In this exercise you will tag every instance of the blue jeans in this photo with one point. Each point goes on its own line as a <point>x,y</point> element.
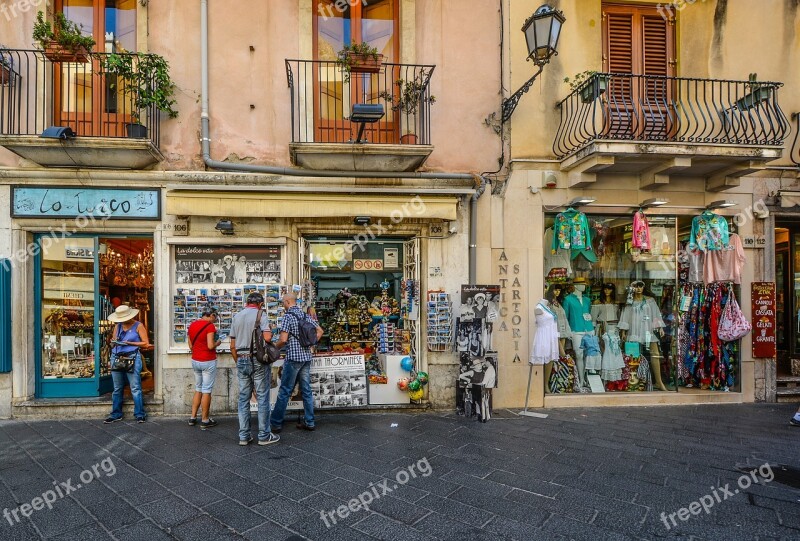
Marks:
<point>253,374</point>
<point>135,382</point>
<point>293,371</point>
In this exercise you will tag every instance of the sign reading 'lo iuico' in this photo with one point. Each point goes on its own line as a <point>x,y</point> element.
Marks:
<point>763,310</point>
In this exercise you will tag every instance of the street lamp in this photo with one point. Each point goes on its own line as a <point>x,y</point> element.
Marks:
<point>542,30</point>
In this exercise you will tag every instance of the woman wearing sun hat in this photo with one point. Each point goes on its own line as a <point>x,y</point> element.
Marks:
<point>128,338</point>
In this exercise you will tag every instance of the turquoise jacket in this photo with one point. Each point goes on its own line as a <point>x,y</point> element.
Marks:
<point>571,231</point>
<point>575,309</point>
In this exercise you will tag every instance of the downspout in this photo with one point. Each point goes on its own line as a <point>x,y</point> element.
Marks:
<point>205,142</point>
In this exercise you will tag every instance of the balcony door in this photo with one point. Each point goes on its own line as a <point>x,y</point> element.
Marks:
<point>638,40</point>
<point>337,24</point>
<point>92,103</point>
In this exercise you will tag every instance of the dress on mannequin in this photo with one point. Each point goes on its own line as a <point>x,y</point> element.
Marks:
<point>640,321</point>
<point>545,342</point>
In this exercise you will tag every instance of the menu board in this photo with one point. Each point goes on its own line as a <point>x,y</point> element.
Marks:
<point>763,310</point>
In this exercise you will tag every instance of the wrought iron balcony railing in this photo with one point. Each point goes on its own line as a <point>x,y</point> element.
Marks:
<point>36,93</point>
<point>323,94</point>
<point>653,108</point>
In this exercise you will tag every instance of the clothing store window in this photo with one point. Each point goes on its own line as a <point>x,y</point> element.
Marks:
<point>631,298</point>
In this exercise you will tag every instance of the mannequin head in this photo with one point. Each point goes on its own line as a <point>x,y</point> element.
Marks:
<point>638,289</point>
<point>554,293</point>
<point>580,284</point>
<point>580,288</point>
<point>608,294</point>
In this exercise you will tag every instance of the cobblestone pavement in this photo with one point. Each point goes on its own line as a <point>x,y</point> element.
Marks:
<point>578,474</point>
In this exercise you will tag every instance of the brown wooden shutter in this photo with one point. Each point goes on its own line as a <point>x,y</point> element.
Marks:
<point>619,54</point>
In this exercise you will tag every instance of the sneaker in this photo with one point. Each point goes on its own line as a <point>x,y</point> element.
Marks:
<point>273,438</point>
<point>794,422</point>
<point>246,442</point>
<point>110,420</point>
<point>207,424</point>
<point>303,426</point>
<point>275,429</point>
<point>192,421</point>
<point>140,420</point>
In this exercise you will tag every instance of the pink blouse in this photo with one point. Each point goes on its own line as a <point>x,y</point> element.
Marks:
<point>725,265</point>
<point>641,231</point>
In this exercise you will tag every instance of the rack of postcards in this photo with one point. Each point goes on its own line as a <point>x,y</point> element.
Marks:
<point>188,305</point>
<point>440,321</point>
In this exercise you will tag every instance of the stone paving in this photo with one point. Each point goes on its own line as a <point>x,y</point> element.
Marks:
<point>578,474</point>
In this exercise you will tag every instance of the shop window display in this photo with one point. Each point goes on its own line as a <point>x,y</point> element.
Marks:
<point>639,311</point>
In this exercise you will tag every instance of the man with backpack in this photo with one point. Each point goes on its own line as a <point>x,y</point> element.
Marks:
<point>300,332</point>
<point>248,326</point>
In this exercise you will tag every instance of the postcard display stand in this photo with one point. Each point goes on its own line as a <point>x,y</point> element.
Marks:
<point>440,321</point>
<point>188,306</point>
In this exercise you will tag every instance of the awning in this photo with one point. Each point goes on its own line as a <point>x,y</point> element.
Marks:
<point>240,204</point>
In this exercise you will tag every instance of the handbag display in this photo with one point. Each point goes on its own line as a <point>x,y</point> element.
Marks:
<point>733,324</point>
<point>123,363</point>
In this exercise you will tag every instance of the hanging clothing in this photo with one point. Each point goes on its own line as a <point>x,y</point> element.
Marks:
<point>561,321</point>
<point>640,319</point>
<point>571,231</point>
<point>709,232</point>
<point>725,265</point>
<point>545,342</point>
<point>641,231</point>
<point>558,259</point>
<point>591,352</point>
<point>612,362</point>
<point>696,259</point>
<point>579,313</point>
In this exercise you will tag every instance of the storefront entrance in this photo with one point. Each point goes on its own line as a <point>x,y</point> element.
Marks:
<point>79,281</point>
<point>787,293</point>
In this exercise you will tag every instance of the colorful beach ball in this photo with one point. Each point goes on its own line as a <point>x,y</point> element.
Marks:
<point>407,364</point>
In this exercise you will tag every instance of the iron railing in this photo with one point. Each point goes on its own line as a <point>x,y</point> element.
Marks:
<point>323,93</point>
<point>36,93</point>
<point>654,108</point>
<point>794,153</point>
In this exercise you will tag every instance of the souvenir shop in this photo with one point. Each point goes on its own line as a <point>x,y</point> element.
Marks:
<point>643,302</point>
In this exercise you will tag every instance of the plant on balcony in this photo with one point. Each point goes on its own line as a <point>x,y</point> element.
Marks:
<point>63,41</point>
<point>757,92</point>
<point>409,96</point>
<point>145,79</point>
<point>359,58</point>
<point>6,66</point>
<point>590,84</point>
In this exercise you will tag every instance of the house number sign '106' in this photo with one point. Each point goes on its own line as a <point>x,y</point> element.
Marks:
<point>103,203</point>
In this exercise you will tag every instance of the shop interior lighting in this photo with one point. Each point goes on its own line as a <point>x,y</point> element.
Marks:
<point>225,227</point>
<point>581,201</point>
<point>58,132</point>
<point>362,220</point>
<point>653,202</point>
<point>721,204</point>
<point>364,113</point>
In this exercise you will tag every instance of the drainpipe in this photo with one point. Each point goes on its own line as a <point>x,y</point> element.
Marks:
<point>205,142</point>
<point>473,230</point>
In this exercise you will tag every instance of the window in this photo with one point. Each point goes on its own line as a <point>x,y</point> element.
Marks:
<point>637,40</point>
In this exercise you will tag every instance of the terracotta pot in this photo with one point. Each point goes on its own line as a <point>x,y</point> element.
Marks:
<point>5,75</point>
<point>361,63</point>
<point>408,139</point>
<point>57,53</point>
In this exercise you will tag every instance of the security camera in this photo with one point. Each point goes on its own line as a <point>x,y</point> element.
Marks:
<point>761,214</point>
<point>453,228</point>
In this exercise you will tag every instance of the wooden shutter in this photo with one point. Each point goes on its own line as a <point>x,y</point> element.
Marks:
<point>619,54</point>
<point>657,111</point>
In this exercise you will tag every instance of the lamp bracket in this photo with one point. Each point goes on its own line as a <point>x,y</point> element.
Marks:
<point>510,103</point>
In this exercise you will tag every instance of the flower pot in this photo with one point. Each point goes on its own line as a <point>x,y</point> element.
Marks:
<point>408,139</point>
<point>136,131</point>
<point>363,63</point>
<point>754,98</point>
<point>55,52</point>
<point>5,75</point>
<point>594,89</point>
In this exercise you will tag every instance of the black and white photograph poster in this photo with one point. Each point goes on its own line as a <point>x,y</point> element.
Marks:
<point>227,264</point>
<point>479,311</point>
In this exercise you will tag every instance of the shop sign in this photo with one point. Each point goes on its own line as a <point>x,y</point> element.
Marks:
<point>77,252</point>
<point>763,310</point>
<point>754,241</point>
<point>102,203</point>
<point>391,258</point>
<point>336,381</point>
<point>367,264</point>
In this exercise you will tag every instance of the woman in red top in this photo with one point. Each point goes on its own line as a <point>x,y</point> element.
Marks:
<point>203,341</point>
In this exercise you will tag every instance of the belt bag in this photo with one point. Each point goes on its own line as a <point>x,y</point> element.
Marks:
<point>123,363</point>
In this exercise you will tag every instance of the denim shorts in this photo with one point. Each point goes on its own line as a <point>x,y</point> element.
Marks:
<point>205,372</point>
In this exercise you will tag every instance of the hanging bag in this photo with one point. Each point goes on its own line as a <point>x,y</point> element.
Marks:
<point>262,351</point>
<point>733,324</point>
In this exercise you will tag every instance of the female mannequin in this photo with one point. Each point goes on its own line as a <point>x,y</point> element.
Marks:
<point>555,296</point>
<point>578,309</point>
<point>606,312</point>
<point>641,322</point>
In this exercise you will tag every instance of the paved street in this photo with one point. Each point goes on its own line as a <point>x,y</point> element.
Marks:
<point>579,474</point>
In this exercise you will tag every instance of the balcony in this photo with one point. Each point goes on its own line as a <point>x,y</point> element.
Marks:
<point>36,93</point>
<point>661,127</point>
<point>322,97</point>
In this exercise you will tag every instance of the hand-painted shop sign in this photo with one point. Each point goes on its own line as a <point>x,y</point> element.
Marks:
<point>99,203</point>
<point>763,310</point>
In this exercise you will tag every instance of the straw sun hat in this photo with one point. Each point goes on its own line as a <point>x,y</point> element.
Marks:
<point>123,313</point>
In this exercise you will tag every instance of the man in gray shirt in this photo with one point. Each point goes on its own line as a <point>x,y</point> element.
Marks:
<point>252,374</point>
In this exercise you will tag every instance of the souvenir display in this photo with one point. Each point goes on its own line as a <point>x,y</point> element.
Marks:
<point>440,321</point>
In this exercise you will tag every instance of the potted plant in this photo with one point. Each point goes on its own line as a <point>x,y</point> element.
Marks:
<point>590,84</point>
<point>145,79</point>
<point>359,58</point>
<point>6,66</point>
<point>758,92</point>
<point>64,41</point>
<point>409,96</point>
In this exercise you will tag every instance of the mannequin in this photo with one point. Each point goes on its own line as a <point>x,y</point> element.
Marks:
<point>605,311</point>
<point>545,348</point>
<point>641,322</point>
<point>578,309</point>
